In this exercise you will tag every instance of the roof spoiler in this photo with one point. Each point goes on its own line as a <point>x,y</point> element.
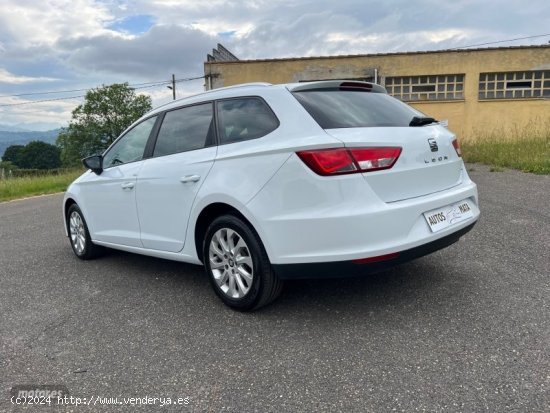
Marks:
<point>338,85</point>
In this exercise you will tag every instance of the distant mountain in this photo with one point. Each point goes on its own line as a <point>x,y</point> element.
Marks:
<point>8,138</point>
<point>12,128</point>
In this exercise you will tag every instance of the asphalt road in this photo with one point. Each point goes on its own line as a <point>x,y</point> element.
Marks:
<point>465,329</point>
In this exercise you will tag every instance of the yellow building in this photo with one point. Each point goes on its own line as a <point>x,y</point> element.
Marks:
<point>479,91</point>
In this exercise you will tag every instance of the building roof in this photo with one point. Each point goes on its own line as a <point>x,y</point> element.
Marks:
<point>543,46</point>
<point>221,54</point>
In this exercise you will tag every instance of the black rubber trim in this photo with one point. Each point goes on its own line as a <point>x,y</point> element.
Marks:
<point>150,146</point>
<point>340,269</point>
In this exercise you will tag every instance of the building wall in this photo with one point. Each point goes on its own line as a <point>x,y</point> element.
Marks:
<point>467,117</point>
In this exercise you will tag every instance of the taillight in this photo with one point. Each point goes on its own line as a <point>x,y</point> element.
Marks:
<point>329,161</point>
<point>374,159</point>
<point>346,161</point>
<point>457,147</point>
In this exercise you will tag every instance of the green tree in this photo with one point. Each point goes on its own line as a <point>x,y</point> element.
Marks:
<point>39,155</point>
<point>12,153</point>
<point>103,116</point>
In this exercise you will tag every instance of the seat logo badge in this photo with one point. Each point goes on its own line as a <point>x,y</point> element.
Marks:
<point>433,145</point>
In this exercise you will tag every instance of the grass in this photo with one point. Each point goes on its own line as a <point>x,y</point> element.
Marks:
<point>14,188</point>
<point>527,151</point>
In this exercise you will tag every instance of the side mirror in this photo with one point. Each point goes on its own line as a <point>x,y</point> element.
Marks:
<point>95,163</point>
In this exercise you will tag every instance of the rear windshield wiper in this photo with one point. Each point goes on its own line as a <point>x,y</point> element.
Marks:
<point>421,121</point>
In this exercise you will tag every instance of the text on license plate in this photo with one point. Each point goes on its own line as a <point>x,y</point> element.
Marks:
<point>446,216</point>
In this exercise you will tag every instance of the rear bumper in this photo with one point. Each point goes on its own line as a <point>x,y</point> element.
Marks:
<point>340,269</point>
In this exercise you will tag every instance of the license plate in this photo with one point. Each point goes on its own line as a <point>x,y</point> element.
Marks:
<point>446,216</point>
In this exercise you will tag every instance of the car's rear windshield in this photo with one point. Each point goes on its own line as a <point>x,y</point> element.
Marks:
<point>337,108</point>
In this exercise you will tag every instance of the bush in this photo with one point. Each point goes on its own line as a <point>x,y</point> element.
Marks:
<point>7,166</point>
<point>39,155</point>
<point>12,154</point>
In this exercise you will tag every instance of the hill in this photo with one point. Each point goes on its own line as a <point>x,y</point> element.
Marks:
<point>12,128</point>
<point>8,138</point>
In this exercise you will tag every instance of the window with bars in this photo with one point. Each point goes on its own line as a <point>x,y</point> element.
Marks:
<point>420,88</point>
<point>514,85</point>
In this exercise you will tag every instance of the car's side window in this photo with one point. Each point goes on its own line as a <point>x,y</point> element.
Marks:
<point>186,129</point>
<point>244,118</point>
<point>131,146</point>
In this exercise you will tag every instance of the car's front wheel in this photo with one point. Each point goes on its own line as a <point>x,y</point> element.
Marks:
<point>79,236</point>
<point>238,266</point>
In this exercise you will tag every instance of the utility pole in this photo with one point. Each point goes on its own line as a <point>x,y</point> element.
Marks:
<point>173,87</point>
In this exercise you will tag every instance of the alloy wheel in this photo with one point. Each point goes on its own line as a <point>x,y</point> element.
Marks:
<point>231,263</point>
<point>77,232</point>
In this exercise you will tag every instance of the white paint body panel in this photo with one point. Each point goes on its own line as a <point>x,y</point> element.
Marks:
<point>312,219</point>
<point>164,201</point>
<point>418,171</point>
<point>301,217</point>
<point>110,210</point>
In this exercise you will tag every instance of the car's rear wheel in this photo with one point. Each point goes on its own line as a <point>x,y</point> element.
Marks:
<point>237,265</point>
<point>79,236</point>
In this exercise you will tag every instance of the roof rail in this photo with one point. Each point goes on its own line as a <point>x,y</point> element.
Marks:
<point>251,84</point>
<point>241,85</point>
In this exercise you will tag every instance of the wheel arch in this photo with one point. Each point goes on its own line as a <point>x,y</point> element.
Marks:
<point>207,215</point>
<point>67,203</point>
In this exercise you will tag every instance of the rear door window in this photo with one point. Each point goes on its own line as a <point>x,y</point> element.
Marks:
<point>334,109</point>
<point>244,118</point>
<point>186,129</point>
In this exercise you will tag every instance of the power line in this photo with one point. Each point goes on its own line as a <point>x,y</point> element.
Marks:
<point>67,91</point>
<point>74,90</point>
<point>189,78</point>
<point>149,85</point>
<point>134,85</point>
<point>30,102</point>
<point>500,41</point>
<point>40,101</point>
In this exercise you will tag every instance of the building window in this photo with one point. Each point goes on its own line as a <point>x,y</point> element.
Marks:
<point>514,85</point>
<point>419,88</point>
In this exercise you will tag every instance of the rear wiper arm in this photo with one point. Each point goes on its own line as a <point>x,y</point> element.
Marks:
<point>421,121</point>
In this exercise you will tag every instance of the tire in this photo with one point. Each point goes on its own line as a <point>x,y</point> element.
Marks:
<point>79,236</point>
<point>231,250</point>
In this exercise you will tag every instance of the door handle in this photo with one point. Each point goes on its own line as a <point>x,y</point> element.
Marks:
<point>189,178</point>
<point>127,185</point>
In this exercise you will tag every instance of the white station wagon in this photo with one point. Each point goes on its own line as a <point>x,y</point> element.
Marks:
<point>262,183</point>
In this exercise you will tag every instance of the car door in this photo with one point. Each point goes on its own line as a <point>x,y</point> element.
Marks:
<point>168,182</point>
<point>110,198</point>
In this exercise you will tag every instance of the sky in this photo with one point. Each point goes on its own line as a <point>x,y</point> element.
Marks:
<point>57,45</point>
